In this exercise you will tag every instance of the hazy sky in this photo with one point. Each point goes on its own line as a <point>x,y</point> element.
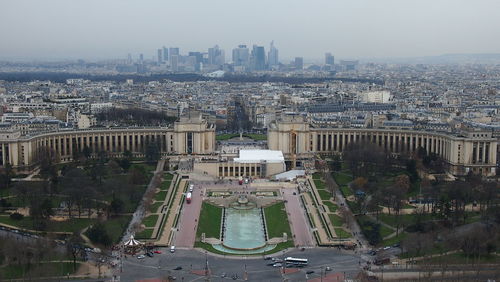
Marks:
<point>53,29</point>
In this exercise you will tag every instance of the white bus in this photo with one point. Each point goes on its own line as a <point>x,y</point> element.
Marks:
<point>296,261</point>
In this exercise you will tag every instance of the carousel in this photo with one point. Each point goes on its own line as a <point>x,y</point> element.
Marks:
<point>132,246</point>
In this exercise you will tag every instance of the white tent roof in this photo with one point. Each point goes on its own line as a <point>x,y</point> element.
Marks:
<point>290,175</point>
<point>255,156</point>
<point>132,242</point>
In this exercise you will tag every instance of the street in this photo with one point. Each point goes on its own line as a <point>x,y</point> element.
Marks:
<point>161,266</point>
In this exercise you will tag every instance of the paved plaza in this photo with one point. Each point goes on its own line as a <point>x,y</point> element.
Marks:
<point>186,234</point>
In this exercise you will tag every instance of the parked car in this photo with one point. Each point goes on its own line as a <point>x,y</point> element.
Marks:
<point>141,257</point>
<point>310,272</point>
<point>157,252</point>
<point>178,268</point>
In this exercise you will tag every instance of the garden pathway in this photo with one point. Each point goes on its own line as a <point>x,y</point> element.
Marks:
<point>140,212</point>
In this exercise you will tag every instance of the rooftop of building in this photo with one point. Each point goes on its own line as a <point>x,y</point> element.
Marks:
<point>253,156</point>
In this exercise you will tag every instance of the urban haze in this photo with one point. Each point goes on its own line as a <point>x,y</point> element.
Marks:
<point>59,29</point>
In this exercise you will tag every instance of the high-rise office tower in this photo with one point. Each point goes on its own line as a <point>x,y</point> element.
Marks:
<point>165,54</point>
<point>198,60</point>
<point>258,58</point>
<point>160,52</point>
<point>173,51</point>
<point>299,63</point>
<point>141,58</point>
<point>216,56</point>
<point>241,55</point>
<point>329,59</point>
<point>272,56</point>
<point>174,62</point>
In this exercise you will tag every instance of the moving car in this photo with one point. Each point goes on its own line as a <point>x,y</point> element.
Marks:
<point>141,257</point>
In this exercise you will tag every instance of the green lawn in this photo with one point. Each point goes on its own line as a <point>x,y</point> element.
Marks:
<point>346,191</point>
<point>168,176</point>
<point>319,184</point>
<point>408,206</point>
<point>147,233</point>
<point>165,185</point>
<point>324,195</point>
<point>341,178</point>
<point>150,221</point>
<point>72,225</point>
<point>336,220</point>
<point>277,220</point>
<point>5,192</point>
<point>331,206</point>
<point>394,240</point>
<point>461,258</point>
<point>223,137</point>
<point>385,231</point>
<point>115,226</point>
<point>131,205</point>
<point>316,175</point>
<point>19,271</point>
<point>404,219</point>
<point>414,189</point>
<point>154,207</point>
<point>256,137</point>
<point>210,221</point>
<point>160,196</point>
<point>341,233</point>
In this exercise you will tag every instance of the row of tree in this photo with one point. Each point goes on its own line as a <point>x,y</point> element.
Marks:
<point>134,117</point>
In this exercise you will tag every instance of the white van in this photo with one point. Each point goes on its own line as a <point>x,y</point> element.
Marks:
<point>172,249</point>
<point>191,187</point>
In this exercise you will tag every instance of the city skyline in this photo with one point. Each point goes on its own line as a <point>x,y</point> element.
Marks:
<point>92,30</point>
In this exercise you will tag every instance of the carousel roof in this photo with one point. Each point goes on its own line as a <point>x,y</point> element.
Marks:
<point>132,242</point>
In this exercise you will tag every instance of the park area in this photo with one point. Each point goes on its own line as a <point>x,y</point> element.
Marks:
<point>158,205</point>
<point>94,198</point>
<point>405,202</point>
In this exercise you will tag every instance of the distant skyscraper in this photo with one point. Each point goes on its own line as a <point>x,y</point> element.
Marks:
<point>216,56</point>
<point>198,59</point>
<point>348,65</point>
<point>141,58</point>
<point>272,56</point>
<point>241,55</point>
<point>174,62</point>
<point>258,59</point>
<point>160,60</point>
<point>129,58</point>
<point>299,63</point>
<point>165,54</point>
<point>172,51</point>
<point>329,59</point>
